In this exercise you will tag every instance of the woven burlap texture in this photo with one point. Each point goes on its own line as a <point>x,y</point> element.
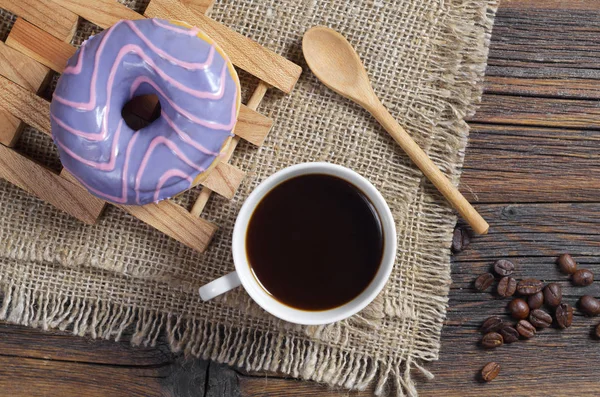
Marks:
<point>426,59</point>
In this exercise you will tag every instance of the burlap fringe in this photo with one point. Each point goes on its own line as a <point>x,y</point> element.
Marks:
<point>245,347</point>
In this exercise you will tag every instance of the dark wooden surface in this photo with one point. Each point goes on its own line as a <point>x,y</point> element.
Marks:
<point>532,167</point>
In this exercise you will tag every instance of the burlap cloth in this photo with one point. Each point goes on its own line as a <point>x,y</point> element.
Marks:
<point>426,59</point>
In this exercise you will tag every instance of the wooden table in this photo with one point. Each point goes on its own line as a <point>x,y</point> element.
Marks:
<point>532,165</point>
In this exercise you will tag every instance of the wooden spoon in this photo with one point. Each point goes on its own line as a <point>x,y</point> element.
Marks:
<point>333,60</point>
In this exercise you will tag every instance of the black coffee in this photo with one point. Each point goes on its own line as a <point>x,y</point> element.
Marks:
<point>315,242</point>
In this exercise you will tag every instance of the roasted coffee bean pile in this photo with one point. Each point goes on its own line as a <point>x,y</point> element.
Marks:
<point>536,307</point>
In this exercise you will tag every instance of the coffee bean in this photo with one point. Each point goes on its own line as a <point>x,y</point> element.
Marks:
<point>490,371</point>
<point>507,287</point>
<point>525,329</point>
<point>536,300</point>
<point>504,268</point>
<point>529,286</point>
<point>553,294</point>
<point>582,277</point>
<point>492,324</point>
<point>540,319</point>
<point>484,281</point>
<point>518,308</point>
<point>567,264</point>
<point>460,239</point>
<point>597,331</point>
<point>509,334</point>
<point>589,305</point>
<point>492,340</point>
<point>564,315</point>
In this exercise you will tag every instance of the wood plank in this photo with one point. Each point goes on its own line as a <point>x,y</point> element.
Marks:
<point>30,75</point>
<point>20,341</point>
<point>39,377</point>
<point>175,222</point>
<point>203,6</point>
<point>103,13</point>
<point>531,164</point>
<point>544,87</point>
<point>45,14</point>
<point>25,105</point>
<point>39,45</point>
<point>252,126</point>
<point>561,5</point>
<point>10,128</point>
<point>243,52</point>
<point>549,112</point>
<point>46,185</point>
<point>224,179</point>
<point>545,52</point>
<point>21,69</point>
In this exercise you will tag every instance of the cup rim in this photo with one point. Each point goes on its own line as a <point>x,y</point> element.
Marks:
<point>306,317</point>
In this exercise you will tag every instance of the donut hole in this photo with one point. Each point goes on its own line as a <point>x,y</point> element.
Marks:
<point>141,111</point>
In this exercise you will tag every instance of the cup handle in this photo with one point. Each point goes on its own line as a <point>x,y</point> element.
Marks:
<point>219,286</point>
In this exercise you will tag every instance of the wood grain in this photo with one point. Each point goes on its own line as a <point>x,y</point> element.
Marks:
<point>202,6</point>
<point>224,179</point>
<point>252,126</point>
<point>39,45</point>
<point>45,14</point>
<point>243,52</point>
<point>103,13</point>
<point>25,105</point>
<point>30,75</point>
<point>531,164</point>
<point>175,222</point>
<point>10,128</point>
<point>21,69</point>
<point>43,183</point>
<point>544,112</point>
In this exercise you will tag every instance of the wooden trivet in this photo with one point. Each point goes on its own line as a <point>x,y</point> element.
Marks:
<point>38,43</point>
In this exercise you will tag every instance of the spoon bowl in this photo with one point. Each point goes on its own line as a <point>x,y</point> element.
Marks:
<point>341,70</point>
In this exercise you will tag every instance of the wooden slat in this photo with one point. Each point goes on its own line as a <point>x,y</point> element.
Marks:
<point>21,69</point>
<point>243,52</point>
<point>543,87</point>
<point>43,183</point>
<point>53,53</point>
<point>502,109</point>
<point>175,222</point>
<point>25,105</point>
<point>10,128</point>
<point>224,179</point>
<point>30,75</point>
<point>45,14</point>
<point>103,13</point>
<point>252,126</point>
<point>39,45</point>
<point>561,5</point>
<point>203,6</point>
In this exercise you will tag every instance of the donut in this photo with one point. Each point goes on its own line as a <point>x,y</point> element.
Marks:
<point>199,93</point>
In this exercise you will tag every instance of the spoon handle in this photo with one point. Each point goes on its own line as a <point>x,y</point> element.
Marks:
<point>431,171</point>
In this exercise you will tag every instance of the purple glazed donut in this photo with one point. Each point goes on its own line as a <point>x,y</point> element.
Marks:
<point>199,93</point>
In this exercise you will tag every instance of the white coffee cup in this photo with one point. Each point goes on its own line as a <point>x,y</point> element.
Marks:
<point>243,274</point>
